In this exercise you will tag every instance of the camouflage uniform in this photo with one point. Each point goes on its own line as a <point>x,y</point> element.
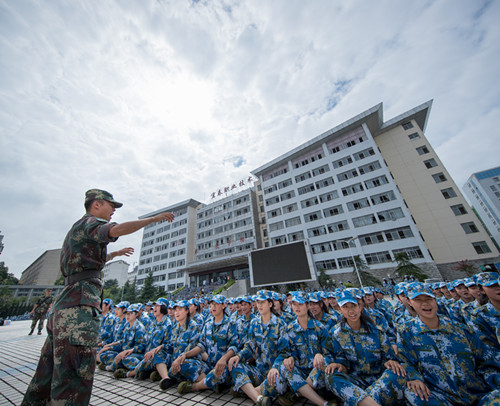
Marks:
<point>156,335</point>
<point>363,353</point>
<point>484,320</point>
<point>107,328</point>
<point>65,371</point>
<point>455,365</point>
<point>40,312</point>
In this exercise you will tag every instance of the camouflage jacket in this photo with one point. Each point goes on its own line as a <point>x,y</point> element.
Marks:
<point>43,305</point>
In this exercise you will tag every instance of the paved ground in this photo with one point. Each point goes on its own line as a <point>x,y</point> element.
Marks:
<point>19,355</point>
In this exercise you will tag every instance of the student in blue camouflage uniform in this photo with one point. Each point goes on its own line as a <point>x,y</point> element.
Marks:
<point>264,344</point>
<point>107,323</point>
<point>195,313</point>
<point>65,372</point>
<point>364,370</point>
<point>156,334</point>
<point>219,339</point>
<point>279,308</point>
<point>144,317</point>
<point>243,322</point>
<point>478,299</point>
<point>455,310</point>
<point>128,352</point>
<point>320,311</point>
<point>445,363</point>
<point>486,318</point>
<point>302,356</point>
<point>168,357</point>
<point>118,329</point>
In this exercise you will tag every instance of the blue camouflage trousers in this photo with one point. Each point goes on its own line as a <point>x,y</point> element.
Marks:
<point>296,378</point>
<point>244,373</point>
<point>191,369</point>
<point>129,362</point>
<point>65,371</point>
<point>388,389</point>
<point>439,397</point>
<point>211,380</point>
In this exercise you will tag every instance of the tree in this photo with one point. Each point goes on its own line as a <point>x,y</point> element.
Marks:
<point>364,272</point>
<point>149,291</point>
<point>466,267</point>
<point>111,290</point>
<point>405,267</point>
<point>59,281</point>
<point>324,280</point>
<point>129,292</point>
<point>7,278</point>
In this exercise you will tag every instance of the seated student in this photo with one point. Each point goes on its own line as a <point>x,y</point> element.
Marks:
<point>486,318</point>
<point>265,343</point>
<point>184,336</point>
<point>195,312</point>
<point>119,327</point>
<point>279,308</point>
<point>156,334</point>
<point>128,351</point>
<point>320,312</point>
<point>219,339</point>
<point>243,322</point>
<point>363,369</point>
<point>446,364</point>
<point>465,297</point>
<point>305,339</point>
<point>107,323</point>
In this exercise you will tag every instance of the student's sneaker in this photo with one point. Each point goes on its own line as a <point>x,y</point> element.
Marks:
<point>166,383</point>
<point>155,376</point>
<point>287,399</point>
<point>120,373</point>
<point>185,387</point>
<point>264,401</point>
<point>101,366</point>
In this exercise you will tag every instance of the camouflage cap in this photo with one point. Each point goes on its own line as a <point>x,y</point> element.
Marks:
<point>219,299</point>
<point>346,297</point>
<point>487,278</point>
<point>415,289</point>
<point>300,297</point>
<point>97,194</point>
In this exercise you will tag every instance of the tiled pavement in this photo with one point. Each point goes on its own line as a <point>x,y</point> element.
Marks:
<point>19,355</point>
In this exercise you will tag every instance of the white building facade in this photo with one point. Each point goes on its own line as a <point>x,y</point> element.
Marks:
<point>483,191</point>
<point>116,270</point>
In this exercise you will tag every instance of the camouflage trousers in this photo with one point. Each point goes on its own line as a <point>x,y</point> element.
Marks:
<point>38,318</point>
<point>439,397</point>
<point>65,371</point>
<point>191,369</point>
<point>388,389</point>
<point>245,373</point>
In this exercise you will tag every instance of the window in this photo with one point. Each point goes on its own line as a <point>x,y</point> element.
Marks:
<point>293,222</point>
<point>350,190</point>
<point>448,193</point>
<point>269,189</point>
<point>358,204</point>
<point>326,265</point>
<point>340,226</point>
<point>319,248</point>
<point>286,196</point>
<point>324,183</point>
<point>375,182</point>
<point>392,214</point>
<point>423,150</point>
<point>398,233</point>
<point>299,235</point>
<point>320,170</point>
<point>333,211</point>
<point>312,216</point>
<point>383,197</point>
<point>469,227</point>
<point>369,239</point>
<point>290,208</point>
<point>364,154</point>
<point>276,226</point>
<point>412,252</point>
<point>413,136</point>
<point>278,240</point>
<point>316,232</point>
<point>274,213</point>
<point>309,202</point>
<point>378,258</point>
<point>285,183</point>
<point>340,245</point>
<point>302,177</point>
<point>481,247</point>
<point>407,125</point>
<point>430,163</point>
<point>306,189</point>
<point>439,177</point>
<point>458,209</point>
<point>341,162</point>
<point>329,196</point>
<point>272,200</point>
<point>372,166</point>
<point>347,175</point>
<point>346,262</point>
<point>364,220</point>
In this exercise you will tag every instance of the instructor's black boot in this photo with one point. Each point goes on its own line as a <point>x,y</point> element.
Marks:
<point>31,332</point>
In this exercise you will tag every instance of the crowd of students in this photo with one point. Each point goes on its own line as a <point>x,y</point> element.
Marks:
<point>439,344</point>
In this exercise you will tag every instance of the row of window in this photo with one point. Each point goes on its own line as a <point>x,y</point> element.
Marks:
<point>224,207</point>
<point>225,251</point>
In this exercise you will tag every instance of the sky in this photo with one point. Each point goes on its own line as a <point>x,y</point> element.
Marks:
<point>160,101</point>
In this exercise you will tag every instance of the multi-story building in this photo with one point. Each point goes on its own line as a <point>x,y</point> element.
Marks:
<point>44,271</point>
<point>116,270</point>
<point>375,189</point>
<point>366,187</point>
<point>483,191</point>
<point>167,247</point>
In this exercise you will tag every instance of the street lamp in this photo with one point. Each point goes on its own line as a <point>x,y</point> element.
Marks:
<point>353,260</point>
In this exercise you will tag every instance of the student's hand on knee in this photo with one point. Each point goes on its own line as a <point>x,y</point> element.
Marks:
<point>335,367</point>
<point>395,367</point>
<point>272,375</point>
<point>319,362</point>
<point>288,363</point>
<point>420,389</point>
<point>233,362</point>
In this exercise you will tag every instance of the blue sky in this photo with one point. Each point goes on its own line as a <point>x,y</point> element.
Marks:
<point>161,101</point>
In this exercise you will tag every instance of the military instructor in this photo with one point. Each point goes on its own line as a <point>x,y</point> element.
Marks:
<point>65,371</point>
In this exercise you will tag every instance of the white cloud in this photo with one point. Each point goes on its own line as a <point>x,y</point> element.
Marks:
<point>161,101</point>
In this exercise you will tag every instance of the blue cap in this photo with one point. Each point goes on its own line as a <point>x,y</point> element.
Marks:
<point>457,282</point>
<point>487,278</point>
<point>276,296</point>
<point>300,297</point>
<point>313,297</point>
<point>470,282</point>
<point>400,288</point>
<point>123,304</point>
<point>368,290</point>
<point>133,307</point>
<point>193,301</point>
<point>263,295</point>
<point>181,303</point>
<point>415,289</point>
<point>346,297</point>
<point>150,303</point>
<point>247,299</point>
<point>162,301</point>
<point>221,299</point>
<point>108,302</point>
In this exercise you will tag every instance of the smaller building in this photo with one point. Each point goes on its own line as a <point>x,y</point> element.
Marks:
<point>483,191</point>
<point>116,270</point>
<point>31,291</point>
<point>46,269</point>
